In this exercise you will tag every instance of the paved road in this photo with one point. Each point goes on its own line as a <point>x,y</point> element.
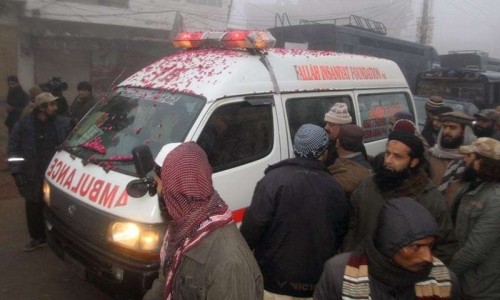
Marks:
<point>33,275</point>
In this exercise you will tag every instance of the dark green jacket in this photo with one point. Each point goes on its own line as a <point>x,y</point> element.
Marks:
<point>221,266</point>
<point>477,262</point>
<point>367,201</point>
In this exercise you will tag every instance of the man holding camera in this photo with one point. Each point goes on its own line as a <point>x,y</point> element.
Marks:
<point>31,146</point>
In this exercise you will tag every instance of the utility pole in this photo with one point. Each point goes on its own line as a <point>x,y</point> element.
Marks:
<point>425,24</point>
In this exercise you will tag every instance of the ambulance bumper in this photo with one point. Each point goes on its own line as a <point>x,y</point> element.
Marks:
<point>117,274</point>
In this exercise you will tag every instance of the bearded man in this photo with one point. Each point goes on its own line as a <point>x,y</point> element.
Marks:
<point>400,175</point>
<point>446,163</point>
<point>486,124</point>
<point>477,225</point>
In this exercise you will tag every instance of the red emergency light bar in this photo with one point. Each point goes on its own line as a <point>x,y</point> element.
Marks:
<point>231,39</point>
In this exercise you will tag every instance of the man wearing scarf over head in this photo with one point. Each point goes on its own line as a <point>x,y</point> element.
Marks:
<point>446,163</point>
<point>396,262</point>
<point>203,254</point>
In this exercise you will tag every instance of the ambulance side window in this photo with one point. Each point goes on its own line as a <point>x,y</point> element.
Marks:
<point>376,111</point>
<point>312,110</point>
<point>236,134</point>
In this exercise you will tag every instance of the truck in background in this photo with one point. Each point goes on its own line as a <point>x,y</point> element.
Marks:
<point>464,76</point>
<point>358,36</point>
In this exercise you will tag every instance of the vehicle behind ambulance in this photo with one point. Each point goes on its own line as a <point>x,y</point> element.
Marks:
<point>241,100</point>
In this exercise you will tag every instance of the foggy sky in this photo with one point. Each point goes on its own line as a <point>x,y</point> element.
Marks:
<point>467,25</point>
<point>458,24</point>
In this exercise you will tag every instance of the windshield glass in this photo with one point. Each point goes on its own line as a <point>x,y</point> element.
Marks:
<point>453,89</point>
<point>128,118</point>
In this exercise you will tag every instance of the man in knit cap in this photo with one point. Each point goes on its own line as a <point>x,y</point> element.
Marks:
<point>352,165</point>
<point>477,222</point>
<point>396,262</point>
<point>203,255</point>
<point>297,218</point>
<point>485,125</point>
<point>446,163</point>
<point>337,116</point>
<point>400,174</point>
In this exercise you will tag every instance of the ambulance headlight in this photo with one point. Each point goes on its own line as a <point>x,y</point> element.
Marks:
<point>46,192</point>
<point>135,237</point>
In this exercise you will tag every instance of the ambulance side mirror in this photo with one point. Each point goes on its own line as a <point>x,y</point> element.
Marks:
<point>143,160</point>
<point>144,163</point>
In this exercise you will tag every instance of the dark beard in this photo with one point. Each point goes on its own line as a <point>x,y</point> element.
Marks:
<point>469,174</point>
<point>163,209</point>
<point>387,180</point>
<point>483,132</point>
<point>453,143</point>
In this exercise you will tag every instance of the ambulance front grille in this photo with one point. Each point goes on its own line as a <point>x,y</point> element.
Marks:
<point>81,218</point>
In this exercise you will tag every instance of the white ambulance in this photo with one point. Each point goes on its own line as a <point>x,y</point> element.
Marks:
<point>241,100</point>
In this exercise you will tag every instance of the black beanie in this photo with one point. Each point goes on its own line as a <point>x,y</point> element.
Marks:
<point>410,140</point>
<point>402,221</point>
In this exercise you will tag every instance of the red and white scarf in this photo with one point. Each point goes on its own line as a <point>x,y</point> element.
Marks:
<point>195,207</point>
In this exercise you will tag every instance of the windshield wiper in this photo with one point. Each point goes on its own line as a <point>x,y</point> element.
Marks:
<point>109,163</point>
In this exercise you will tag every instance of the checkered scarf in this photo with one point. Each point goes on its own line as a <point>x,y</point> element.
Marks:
<point>196,208</point>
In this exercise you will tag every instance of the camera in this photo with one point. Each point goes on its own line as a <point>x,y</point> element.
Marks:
<point>55,86</point>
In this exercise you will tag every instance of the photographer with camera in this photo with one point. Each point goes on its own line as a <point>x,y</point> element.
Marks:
<point>32,144</point>
<point>56,86</point>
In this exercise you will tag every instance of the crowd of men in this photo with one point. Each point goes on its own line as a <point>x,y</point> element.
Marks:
<point>38,122</point>
<point>418,221</point>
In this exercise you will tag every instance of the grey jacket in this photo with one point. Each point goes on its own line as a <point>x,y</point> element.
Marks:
<point>221,266</point>
<point>477,262</point>
<point>367,201</point>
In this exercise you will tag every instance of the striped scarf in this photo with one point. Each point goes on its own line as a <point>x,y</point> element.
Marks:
<point>454,172</point>
<point>356,283</point>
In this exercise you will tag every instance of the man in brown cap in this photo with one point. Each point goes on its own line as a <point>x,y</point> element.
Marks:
<point>485,125</point>
<point>433,122</point>
<point>477,225</point>
<point>446,163</point>
<point>351,166</point>
<point>32,144</point>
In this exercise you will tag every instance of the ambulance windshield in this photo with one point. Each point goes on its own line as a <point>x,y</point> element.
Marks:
<point>128,118</point>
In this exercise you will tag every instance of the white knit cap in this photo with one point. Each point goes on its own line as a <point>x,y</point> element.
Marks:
<point>165,150</point>
<point>338,114</point>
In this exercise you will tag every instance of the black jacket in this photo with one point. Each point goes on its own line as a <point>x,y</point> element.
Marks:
<point>22,144</point>
<point>296,221</point>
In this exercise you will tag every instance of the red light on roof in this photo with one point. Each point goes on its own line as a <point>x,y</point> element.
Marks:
<point>231,39</point>
<point>188,39</point>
